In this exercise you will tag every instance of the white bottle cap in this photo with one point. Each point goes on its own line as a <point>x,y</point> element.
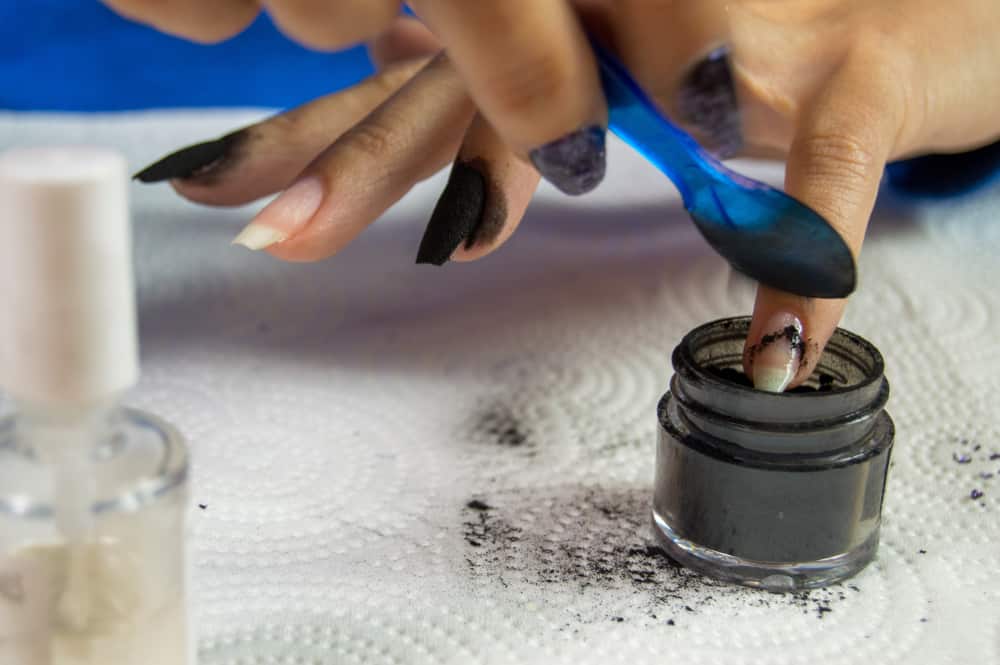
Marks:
<point>67,293</point>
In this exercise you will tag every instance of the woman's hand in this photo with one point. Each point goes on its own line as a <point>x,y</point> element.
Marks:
<point>838,87</point>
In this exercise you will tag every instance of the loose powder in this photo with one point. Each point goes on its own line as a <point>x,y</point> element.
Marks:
<point>597,539</point>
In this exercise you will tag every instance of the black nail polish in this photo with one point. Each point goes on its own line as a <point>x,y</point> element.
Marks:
<point>574,163</point>
<point>470,210</point>
<point>202,160</point>
<point>707,101</point>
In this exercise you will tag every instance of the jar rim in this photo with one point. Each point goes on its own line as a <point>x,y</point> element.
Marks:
<point>740,325</point>
<point>719,344</point>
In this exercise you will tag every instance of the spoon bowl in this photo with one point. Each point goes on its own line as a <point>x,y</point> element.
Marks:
<point>761,231</point>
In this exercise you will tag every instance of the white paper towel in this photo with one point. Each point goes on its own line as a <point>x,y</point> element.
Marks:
<point>406,464</point>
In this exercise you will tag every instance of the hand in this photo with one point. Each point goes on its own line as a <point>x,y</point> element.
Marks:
<point>838,87</point>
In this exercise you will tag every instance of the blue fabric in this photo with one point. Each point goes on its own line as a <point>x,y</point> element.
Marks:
<point>77,55</point>
<point>943,176</point>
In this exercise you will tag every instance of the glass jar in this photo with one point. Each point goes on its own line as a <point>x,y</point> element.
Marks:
<point>781,491</point>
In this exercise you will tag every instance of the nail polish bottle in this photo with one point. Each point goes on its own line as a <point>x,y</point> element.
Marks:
<point>93,495</point>
<point>781,491</point>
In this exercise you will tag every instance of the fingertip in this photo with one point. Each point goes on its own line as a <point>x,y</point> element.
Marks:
<point>406,39</point>
<point>787,336</point>
<point>285,217</point>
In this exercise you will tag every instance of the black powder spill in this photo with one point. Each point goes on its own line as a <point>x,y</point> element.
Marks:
<point>598,540</point>
<point>500,426</point>
<point>975,457</point>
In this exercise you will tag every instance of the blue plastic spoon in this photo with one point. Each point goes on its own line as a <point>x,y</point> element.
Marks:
<point>761,231</point>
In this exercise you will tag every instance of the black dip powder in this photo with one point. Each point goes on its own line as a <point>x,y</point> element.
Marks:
<point>781,491</point>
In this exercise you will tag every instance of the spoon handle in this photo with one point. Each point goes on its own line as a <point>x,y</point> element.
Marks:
<point>634,118</point>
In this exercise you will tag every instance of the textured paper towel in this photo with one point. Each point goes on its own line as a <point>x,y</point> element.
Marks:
<point>404,464</point>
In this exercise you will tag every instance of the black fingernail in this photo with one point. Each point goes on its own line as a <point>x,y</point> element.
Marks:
<point>470,210</point>
<point>575,163</point>
<point>707,101</point>
<point>202,160</point>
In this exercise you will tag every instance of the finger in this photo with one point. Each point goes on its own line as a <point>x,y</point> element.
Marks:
<point>528,65</point>
<point>332,24</point>
<point>485,198</point>
<point>406,139</point>
<point>679,53</point>
<point>264,158</point>
<point>406,39</point>
<point>842,142</point>
<point>197,20</point>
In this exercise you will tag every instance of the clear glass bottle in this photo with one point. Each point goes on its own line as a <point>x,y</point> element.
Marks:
<point>781,491</point>
<point>93,496</point>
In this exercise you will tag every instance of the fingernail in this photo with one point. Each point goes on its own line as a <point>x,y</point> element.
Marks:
<point>707,101</point>
<point>469,210</point>
<point>575,163</point>
<point>284,216</point>
<point>199,161</point>
<point>255,236</point>
<point>776,357</point>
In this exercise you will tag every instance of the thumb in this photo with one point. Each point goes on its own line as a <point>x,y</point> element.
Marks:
<point>843,140</point>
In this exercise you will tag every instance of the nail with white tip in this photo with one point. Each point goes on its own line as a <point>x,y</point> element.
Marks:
<point>256,236</point>
<point>284,216</point>
<point>778,354</point>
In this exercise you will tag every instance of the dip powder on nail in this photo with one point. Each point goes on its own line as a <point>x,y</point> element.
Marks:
<point>781,491</point>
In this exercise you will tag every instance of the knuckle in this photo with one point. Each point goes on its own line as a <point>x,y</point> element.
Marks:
<point>370,140</point>
<point>840,168</point>
<point>834,152</point>
<point>887,59</point>
<point>537,79</point>
<point>393,77</point>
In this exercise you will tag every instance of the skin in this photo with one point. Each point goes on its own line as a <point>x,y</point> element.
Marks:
<point>835,87</point>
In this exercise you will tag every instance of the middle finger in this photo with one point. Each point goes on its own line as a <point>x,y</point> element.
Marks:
<point>528,66</point>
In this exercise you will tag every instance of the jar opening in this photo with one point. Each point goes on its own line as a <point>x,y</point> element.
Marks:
<point>819,382</point>
<point>715,351</point>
